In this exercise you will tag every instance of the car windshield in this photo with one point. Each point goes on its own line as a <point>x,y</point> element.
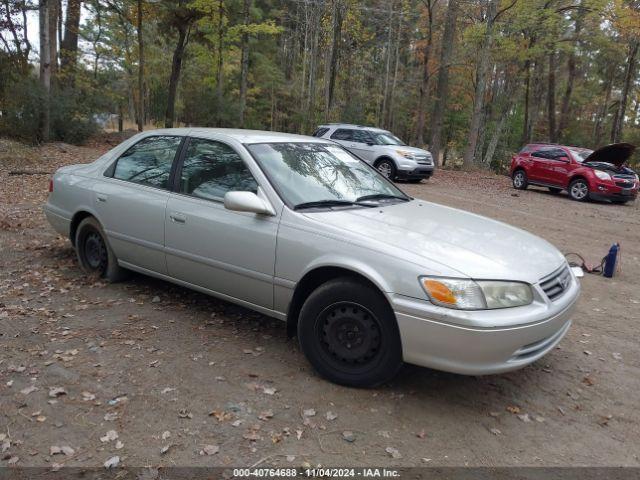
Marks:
<point>307,173</point>
<point>581,154</point>
<point>386,138</point>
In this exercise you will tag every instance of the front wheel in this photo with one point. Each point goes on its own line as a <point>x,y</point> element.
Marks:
<point>95,254</point>
<point>349,334</point>
<point>386,168</point>
<point>579,190</point>
<point>520,181</point>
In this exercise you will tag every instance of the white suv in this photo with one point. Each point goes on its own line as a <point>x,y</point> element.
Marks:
<point>382,149</point>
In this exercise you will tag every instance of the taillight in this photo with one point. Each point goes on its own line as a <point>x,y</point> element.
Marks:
<point>50,185</point>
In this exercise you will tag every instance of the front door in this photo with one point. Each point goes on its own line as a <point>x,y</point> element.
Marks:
<point>232,253</point>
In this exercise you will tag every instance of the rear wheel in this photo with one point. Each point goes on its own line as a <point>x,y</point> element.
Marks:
<point>520,180</point>
<point>579,190</point>
<point>95,254</point>
<point>349,334</point>
<point>387,168</point>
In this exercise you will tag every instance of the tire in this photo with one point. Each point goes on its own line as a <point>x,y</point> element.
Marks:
<point>555,190</point>
<point>94,253</point>
<point>520,180</point>
<point>579,190</point>
<point>349,334</point>
<point>387,168</point>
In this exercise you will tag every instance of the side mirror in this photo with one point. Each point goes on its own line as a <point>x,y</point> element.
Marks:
<point>246,202</point>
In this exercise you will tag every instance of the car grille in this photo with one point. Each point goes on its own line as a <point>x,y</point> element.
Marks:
<point>556,284</point>
<point>626,184</point>
<point>423,159</point>
<point>624,180</point>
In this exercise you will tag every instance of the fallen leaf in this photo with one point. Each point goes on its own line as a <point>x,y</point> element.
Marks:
<point>55,392</point>
<point>331,416</point>
<point>393,452</point>
<point>166,434</point>
<point>524,417</point>
<point>513,409</point>
<point>210,450</point>
<point>266,415</point>
<point>112,462</point>
<point>348,436</point>
<point>110,436</point>
<point>310,412</point>
<point>29,389</point>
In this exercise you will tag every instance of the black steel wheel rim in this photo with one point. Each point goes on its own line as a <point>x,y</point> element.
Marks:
<point>349,335</point>
<point>95,252</point>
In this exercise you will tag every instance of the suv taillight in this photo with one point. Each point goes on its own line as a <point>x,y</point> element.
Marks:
<point>50,185</point>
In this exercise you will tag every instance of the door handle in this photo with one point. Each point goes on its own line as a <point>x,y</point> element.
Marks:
<point>101,197</point>
<point>178,218</point>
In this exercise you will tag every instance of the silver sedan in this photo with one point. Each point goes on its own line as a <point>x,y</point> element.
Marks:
<point>299,229</point>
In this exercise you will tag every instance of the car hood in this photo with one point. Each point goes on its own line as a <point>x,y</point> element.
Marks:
<point>615,154</point>
<point>475,246</point>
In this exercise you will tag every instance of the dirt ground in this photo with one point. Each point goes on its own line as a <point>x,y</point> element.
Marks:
<point>183,379</point>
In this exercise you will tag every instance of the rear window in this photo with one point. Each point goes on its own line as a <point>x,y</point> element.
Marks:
<point>149,161</point>
<point>320,131</point>
<point>342,134</point>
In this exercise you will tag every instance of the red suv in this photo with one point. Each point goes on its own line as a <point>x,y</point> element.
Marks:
<point>585,174</point>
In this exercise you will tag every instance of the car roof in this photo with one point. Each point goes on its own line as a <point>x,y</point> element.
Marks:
<point>351,125</point>
<point>242,135</point>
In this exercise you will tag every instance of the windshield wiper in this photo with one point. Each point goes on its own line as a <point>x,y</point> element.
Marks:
<point>381,196</point>
<point>330,203</point>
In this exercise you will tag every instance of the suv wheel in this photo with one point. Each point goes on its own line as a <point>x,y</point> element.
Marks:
<point>579,190</point>
<point>520,180</point>
<point>95,254</point>
<point>386,168</point>
<point>349,334</point>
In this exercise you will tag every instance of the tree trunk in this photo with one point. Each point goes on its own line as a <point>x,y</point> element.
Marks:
<point>385,93</point>
<point>140,70</point>
<point>45,67</point>
<point>565,108</point>
<point>442,90</point>
<point>602,111</point>
<point>330,75</point>
<point>551,98</point>
<point>481,84</point>
<point>425,77</point>
<point>629,76</point>
<point>244,67</point>
<point>54,13</point>
<point>176,66</point>
<point>69,45</point>
<point>394,83</point>
<point>219,73</point>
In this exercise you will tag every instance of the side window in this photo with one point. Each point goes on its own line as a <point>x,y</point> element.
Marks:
<point>542,153</point>
<point>211,169</point>
<point>320,131</point>
<point>342,134</point>
<point>557,153</point>
<point>362,136</point>
<point>149,161</point>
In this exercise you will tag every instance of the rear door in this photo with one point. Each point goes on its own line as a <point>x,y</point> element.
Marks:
<point>557,167</point>
<point>131,200</point>
<point>232,253</point>
<point>538,170</point>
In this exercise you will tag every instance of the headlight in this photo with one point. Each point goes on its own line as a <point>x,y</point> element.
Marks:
<point>471,295</point>
<point>602,175</point>
<point>405,154</point>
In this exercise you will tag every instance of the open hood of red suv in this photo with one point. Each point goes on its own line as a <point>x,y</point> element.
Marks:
<point>616,154</point>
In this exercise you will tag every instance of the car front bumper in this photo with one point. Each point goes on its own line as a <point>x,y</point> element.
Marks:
<point>456,341</point>
<point>619,195</point>
<point>422,171</point>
